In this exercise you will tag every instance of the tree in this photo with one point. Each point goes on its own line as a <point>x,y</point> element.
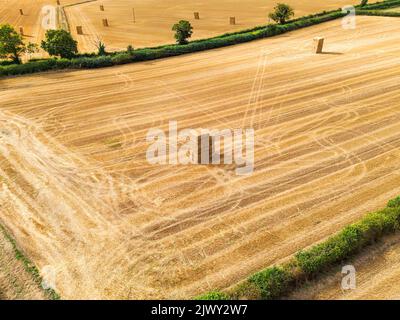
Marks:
<point>101,48</point>
<point>364,3</point>
<point>183,30</point>
<point>12,44</point>
<point>282,13</point>
<point>60,43</point>
<point>130,50</point>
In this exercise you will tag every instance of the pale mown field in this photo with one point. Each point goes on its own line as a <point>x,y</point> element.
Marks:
<point>78,194</point>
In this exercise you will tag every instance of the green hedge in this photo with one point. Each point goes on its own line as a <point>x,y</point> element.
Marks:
<point>213,295</point>
<point>378,13</point>
<point>381,5</point>
<point>274,282</point>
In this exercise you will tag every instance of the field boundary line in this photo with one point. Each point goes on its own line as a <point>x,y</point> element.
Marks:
<point>29,266</point>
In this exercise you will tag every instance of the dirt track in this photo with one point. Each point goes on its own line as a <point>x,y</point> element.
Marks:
<point>79,195</point>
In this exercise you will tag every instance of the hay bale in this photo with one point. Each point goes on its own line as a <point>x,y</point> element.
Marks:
<point>232,20</point>
<point>205,147</point>
<point>58,2</point>
<point>101,7</point>
<point>105,23</point>
<point>79,30</point>
<point>196,15</point>
<point>21,12</point>
<point>318,44</point>
<point>21,31</point>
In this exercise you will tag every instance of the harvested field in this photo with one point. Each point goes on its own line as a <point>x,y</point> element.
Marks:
<point>377,272</point>
<point>79,195</point>
<point>154,19</point>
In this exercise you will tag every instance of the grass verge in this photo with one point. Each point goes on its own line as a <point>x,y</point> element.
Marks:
<point>29,266</point>
<point>277,281</point>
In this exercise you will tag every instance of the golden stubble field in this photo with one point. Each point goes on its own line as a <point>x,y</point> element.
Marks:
<point>154,18</point>
<point>79,196</point>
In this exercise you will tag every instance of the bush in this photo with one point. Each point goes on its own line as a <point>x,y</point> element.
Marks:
<point>213,295</point>
<point>394,203</point>
<point>91,63</point>
<point>6,62</point>
<point>122,58</point>
<point>272,282</point>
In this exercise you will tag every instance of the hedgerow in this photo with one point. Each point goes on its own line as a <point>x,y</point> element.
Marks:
<point>93,61</point>
<point>274,282</point>
<point>213,295</point>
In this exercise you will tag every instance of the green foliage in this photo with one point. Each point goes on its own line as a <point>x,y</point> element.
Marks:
<point>91,63</point>
<point>282,13</point>
<point>213,295</point>
<point>60,43</point>
<point>101,48</point>
<point>122,58</point>
<point>348,241</point>
<point>183,31</point>
<point>273,282</point>
<point>12,44</point>
<point>382,5</point>
<point>393,203</point>
<point>363,3</point>
<point>130,50</point>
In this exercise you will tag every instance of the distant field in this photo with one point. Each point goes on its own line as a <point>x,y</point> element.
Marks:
<point>80,196</point>
<point>154,18</point>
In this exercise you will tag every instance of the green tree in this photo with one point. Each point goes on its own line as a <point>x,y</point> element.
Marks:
<point>12,44</point>
<point>60,43</point>
<point>364,3</point>
<point>101,48</point>
<point>282,13</point>
<point>183,30</point>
